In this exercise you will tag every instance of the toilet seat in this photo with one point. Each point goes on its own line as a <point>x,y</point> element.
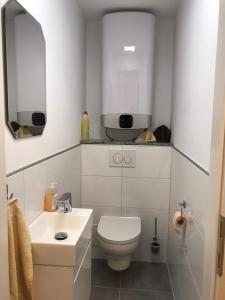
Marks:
<point>119,230</point>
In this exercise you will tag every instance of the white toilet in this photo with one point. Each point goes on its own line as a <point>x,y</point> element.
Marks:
<point>119,237</point>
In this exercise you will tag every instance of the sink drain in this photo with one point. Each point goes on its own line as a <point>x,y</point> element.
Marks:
<point>61,236</point>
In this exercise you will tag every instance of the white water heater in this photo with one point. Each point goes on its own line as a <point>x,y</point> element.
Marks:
<point>128,57</point>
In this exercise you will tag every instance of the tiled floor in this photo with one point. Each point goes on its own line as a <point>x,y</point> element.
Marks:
<point>141,281</point>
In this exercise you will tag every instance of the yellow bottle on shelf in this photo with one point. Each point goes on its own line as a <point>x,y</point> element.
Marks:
<point>85,127</point>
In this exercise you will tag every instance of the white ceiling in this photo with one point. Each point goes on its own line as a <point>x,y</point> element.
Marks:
<point>95,9</point>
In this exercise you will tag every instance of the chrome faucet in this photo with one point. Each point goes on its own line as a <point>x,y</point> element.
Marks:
<point>65,201</point>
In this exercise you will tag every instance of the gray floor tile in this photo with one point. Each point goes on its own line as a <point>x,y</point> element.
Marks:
<point>104,293</point>
<point>103,276</point>
<point>146,276</point>
<point>143,295</point>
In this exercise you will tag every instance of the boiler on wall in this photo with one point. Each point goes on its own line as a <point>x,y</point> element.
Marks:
<point>128,55</point>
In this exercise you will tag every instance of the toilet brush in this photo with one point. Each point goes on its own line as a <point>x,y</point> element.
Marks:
<point>155,246</point>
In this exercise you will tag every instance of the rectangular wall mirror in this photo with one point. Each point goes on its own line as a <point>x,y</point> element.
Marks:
<point>24,71</point>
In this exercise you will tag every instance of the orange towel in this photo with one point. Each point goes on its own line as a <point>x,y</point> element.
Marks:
<point>20,254</point>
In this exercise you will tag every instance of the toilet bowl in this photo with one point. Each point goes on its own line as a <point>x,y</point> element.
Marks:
<point>119,237</point>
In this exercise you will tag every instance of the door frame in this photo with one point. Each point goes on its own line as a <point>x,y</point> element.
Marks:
<point>210,279</point>
<point>220,280</point>
<point>4,277</point>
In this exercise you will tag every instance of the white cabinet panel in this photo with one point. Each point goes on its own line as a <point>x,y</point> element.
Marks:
<point>82,283</point>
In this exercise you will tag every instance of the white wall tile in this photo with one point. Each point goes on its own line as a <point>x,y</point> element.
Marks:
<point>189,183</point>
<point>103,211</point>
<point>95,160</point>
<point>148,221</point>
<point>195,254</point>
<point>65,169</point>
<point>145,193</point>
<point>30,185</point>
<point>151,161</point>
<point>141,191</point>
<point>36,179</point>
<point>192,247</point>
<point>185,257</point>
<point>101,191</point>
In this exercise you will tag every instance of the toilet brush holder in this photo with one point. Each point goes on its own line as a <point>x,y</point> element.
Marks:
<point>155,245</point>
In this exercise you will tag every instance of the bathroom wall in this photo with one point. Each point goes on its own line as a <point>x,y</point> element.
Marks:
<point>193,92</point>
<point>164,43</point>
<point>34,159</point>
<point>141,191</point>
<point>30,185</point>
<point>186,257</point>
<point>192,108</point>
<point>63,25</point>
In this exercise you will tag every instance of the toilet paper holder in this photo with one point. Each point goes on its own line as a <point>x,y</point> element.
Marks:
<point>182,205</point>
<point>180,220</point>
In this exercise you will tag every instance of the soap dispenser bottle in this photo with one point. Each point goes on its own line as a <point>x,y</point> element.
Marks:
<point>51,197</point>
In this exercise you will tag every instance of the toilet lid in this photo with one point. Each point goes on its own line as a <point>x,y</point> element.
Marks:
<point>119,229</point>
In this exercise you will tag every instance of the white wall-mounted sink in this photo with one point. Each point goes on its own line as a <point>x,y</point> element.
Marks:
<point>49,251</point>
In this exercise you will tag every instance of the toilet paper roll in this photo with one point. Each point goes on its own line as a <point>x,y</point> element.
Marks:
<point>179,223</point>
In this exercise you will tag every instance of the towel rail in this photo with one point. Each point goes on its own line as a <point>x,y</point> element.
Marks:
<point>9,196</point>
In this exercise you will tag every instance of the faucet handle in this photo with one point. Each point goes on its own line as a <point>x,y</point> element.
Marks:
<point>65,201</point>
<point>66,197</point>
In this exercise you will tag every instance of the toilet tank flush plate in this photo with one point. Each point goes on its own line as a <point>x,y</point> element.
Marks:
<point>122,158</point>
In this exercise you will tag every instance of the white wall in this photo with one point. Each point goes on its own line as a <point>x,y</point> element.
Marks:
<point>186,257</point>
<point>141,191</point>
<point>164,55</point>
<point>94,77</point>
<point>195,59</point>
<point>192,261</point>
<point>64,30</point>
<point>162,75</point>
<point>29,186</point>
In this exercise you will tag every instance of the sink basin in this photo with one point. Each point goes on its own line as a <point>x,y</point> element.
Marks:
<point>69,252</point>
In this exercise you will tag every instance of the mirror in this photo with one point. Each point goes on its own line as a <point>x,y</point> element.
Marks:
<point>24,71</point>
